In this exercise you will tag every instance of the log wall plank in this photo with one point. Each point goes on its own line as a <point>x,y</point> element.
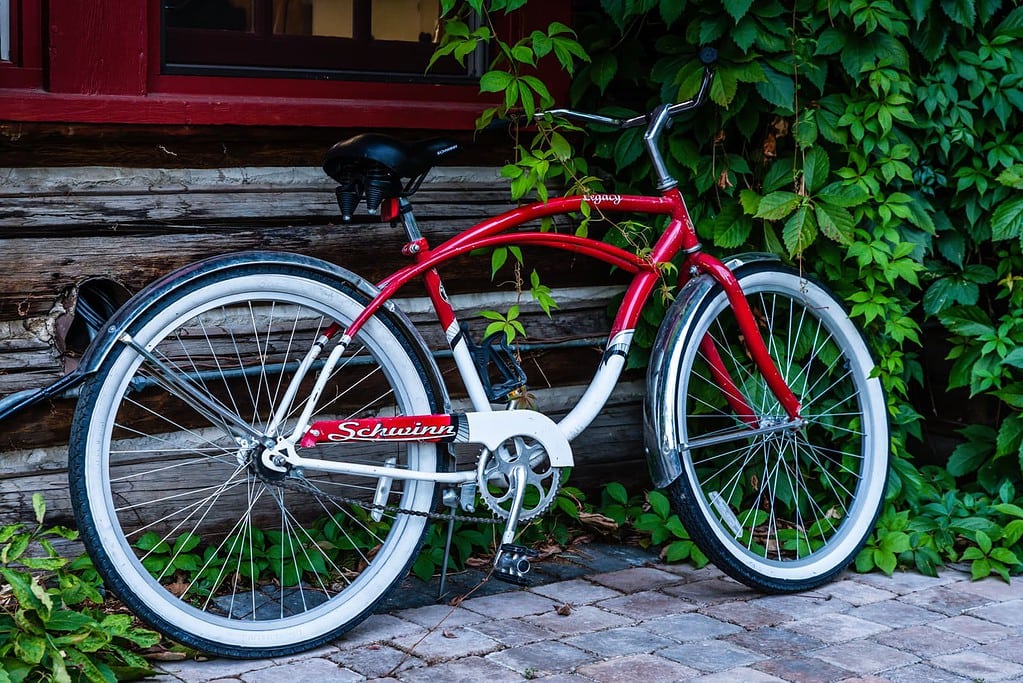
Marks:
<point>59,227</point>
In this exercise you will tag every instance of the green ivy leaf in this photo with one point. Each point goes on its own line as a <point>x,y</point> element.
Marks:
<point>777,205</point>
<point>495,81</point>
<point>603,70</point>
<point>800,230</point>
<point>816,167</point>
<point>659,504</point>
<point>835,222</point>
<point>778,89</point>
<point>1007,220</point>
<point>737,8</point>
<point>962,12</point>
<point>969,321</point>
<point>947,291</point>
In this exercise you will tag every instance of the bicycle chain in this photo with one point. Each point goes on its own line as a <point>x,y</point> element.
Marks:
<point>306,487</point>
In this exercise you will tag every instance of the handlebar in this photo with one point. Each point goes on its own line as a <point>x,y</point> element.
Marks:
<point>655,121</point>
<point>708,56</point>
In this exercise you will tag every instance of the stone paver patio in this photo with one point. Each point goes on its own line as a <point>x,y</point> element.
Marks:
<point>630,618</point>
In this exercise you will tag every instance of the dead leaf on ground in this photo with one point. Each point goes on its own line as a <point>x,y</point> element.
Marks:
<point>601,523</point>
<point>564,610</point>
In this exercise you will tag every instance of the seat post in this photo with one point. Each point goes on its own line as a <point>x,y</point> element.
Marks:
<point>408,221</point>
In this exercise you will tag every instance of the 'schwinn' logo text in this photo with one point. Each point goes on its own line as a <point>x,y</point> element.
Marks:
<point>359,431</point>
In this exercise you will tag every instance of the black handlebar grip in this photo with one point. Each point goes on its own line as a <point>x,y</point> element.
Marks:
<point>708,55</point>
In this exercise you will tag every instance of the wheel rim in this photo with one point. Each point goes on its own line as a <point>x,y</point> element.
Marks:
<point>787,503</point>
<point>274,565</point>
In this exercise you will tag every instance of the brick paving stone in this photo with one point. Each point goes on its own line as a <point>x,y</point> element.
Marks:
<point>446,643</point>
<point>895,613</point>
<point>690,572</point>
<point>855,592</point>
<point>775,642</point>
<point>979,666</point>
<point>925,641</point>
<point>903,583</point>
<point>925,672</point>
<point>803,670</point>
<point>685,628</point>
<point>210,670</point>
<point>1011,649</point>
<point>711,655</point>
<point>835,628</point>
<point>511,632</point>
<point>647,605</point>
<point>324,651</point>
<point>579,620</point>
<point>316,669</point>
<point>978,630</point>
<point>945,599</point>
<point>746,614</point>
<point>637,668</point>
<point>616,642</point>
<point>1009,613</point>
<point>801,606</point>
<point>373,661</point>
<point>539,658</point>
<point>636,579</point>
<point>464,670</point>
<point>377,628</point>
<point>431,616</point>
<point>742,673</point>
<point>712,591</point>
<point>575,592</point>
<point>995,589</point>
<point>602,558</point>
<point>510,605</point>
<point>864,656</point>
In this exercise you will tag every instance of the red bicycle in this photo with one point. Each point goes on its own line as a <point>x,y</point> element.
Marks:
<point>262,438</point>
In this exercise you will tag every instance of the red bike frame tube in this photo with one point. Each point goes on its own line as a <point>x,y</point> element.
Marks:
<point>724,380</point>
<point>752,338</point>
<point>679,235</point>
<point>487,233</point>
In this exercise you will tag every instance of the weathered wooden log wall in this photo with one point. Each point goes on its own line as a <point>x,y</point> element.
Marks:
<point>60,227</point>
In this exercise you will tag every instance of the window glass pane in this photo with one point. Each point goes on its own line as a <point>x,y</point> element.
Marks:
<point>411,20</point>
<point>331,18</point>
<point>230,15</point>
<point>5,30</point>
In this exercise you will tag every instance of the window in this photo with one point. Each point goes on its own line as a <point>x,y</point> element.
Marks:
<point>5,30</point>
<point>380,39</point>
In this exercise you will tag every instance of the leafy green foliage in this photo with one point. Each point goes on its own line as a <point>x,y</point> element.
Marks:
<point>875,143</point>
<point>48,631</point>
<point>666,530</point>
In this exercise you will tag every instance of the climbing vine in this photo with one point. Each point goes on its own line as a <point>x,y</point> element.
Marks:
<point>877,145</point>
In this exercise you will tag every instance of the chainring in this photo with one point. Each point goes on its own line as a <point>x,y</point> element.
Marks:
<point>494,477</point>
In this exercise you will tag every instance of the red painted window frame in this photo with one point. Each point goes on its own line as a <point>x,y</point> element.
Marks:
<point>25,70</point>
<point>99,62</point>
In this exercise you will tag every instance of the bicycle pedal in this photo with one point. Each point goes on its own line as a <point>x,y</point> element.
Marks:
<point>497,366</point>
<point>513,564</point>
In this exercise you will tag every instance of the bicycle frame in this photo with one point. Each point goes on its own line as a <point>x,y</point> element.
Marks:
<point>679,236</point>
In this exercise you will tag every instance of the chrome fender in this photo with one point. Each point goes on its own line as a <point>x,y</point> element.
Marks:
<point>660,405</point>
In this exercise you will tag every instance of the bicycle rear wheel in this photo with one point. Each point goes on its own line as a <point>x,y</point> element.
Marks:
<point>182,520</point>
<point>782,510</point>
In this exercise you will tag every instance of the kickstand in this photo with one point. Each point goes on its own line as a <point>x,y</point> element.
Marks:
<point>447,554</point>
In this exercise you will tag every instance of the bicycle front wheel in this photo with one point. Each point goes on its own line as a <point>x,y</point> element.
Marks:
<point>179,515</point>
<point>779,508</point>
